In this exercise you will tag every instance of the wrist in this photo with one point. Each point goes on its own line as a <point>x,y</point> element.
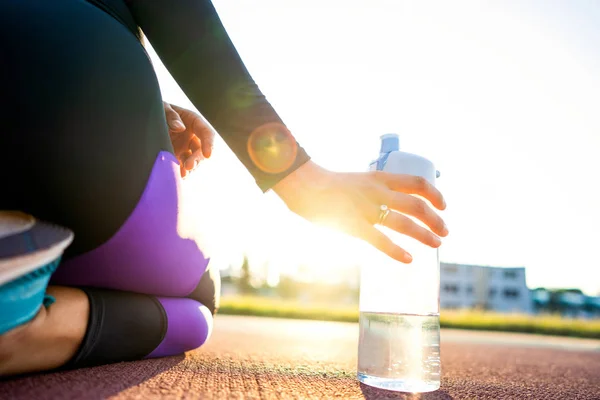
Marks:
<point>308,173</point>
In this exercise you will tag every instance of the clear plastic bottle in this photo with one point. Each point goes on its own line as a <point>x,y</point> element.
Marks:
<point>399,344</point>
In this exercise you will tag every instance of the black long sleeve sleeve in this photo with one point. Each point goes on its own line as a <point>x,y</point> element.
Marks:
<point>193,44</point>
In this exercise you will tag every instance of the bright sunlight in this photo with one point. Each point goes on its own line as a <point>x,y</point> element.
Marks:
<point>503,97</point>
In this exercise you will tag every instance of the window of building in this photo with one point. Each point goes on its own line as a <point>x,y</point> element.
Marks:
<point>510,274</point>
<point>450,288</point>
<point>511,293</point>
<point>450,269</point>
<point>469,289</point>
<point>492,292</point>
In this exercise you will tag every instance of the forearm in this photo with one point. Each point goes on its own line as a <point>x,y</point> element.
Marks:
<point>193,44</point>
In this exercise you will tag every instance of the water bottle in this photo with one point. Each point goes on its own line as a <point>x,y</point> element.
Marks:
<point>399,342</point>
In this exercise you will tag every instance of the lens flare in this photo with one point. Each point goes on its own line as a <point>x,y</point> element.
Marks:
<point>272,148</point>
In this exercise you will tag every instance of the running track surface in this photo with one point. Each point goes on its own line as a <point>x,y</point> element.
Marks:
<point>264,358</point>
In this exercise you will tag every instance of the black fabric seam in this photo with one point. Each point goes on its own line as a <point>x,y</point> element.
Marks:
<point>99,307</point>
<point>164,321</point>
<point>91,333</point>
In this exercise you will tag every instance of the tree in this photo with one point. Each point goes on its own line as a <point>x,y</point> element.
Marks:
<point>245,278</point>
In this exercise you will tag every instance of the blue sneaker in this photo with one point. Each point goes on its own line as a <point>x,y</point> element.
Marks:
<point>30,251</point>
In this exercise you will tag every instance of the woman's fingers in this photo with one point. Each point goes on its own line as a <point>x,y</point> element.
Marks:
<point>401,199</point>
<point>205,134</point>
<point>173,119</point>
<point>418,208</point>
<point>383,243</point>
<point>183,157</point>
<point>194,154</point>
<point>195,144</point>
<point>410,184</point>
<point>405,225</point>
<point>201,129</point>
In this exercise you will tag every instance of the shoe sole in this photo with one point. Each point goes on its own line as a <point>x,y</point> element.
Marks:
<point>26,244</point>
<point>13,222</point>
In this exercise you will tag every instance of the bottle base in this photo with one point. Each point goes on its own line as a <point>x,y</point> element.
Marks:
<point>399,385</point>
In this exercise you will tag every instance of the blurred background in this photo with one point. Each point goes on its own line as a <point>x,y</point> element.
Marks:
<point>504,97</point>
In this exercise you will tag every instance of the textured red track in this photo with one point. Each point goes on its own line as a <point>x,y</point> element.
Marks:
<point>260,358</point>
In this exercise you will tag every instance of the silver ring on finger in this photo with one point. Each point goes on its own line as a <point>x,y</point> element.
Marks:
<point>383,213</point>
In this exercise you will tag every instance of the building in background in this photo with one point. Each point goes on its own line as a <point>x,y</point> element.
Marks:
<point>489,288</point>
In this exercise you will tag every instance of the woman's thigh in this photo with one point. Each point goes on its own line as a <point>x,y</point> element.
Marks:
<point>82,115</point>
<point>83,132</point>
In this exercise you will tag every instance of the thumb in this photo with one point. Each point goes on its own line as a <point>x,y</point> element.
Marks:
<point>173,119</point>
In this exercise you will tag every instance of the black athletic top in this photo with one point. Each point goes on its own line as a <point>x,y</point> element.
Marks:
<point>193,44</point>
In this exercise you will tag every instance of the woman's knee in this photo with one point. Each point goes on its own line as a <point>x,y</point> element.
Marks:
<point>189,326</point>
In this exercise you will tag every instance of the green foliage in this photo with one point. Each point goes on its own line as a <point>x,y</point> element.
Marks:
<point>476,320</point>
<point>245,279</point>
<point>282,308</point>
<point>541,324</point>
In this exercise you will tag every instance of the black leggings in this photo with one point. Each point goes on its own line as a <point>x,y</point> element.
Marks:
<point>82,126</point>
<point>81,111</point>
<point>82,117</point>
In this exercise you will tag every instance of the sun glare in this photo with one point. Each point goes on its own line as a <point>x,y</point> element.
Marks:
<point>503,97</point>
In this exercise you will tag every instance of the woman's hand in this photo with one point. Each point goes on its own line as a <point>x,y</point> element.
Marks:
<point>352,201</point>
<point>191,136</point>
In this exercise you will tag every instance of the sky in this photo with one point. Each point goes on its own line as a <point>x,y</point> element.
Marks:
<point>503,97</point>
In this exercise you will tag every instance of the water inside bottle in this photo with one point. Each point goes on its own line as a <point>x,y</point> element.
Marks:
<point>399,352</point>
